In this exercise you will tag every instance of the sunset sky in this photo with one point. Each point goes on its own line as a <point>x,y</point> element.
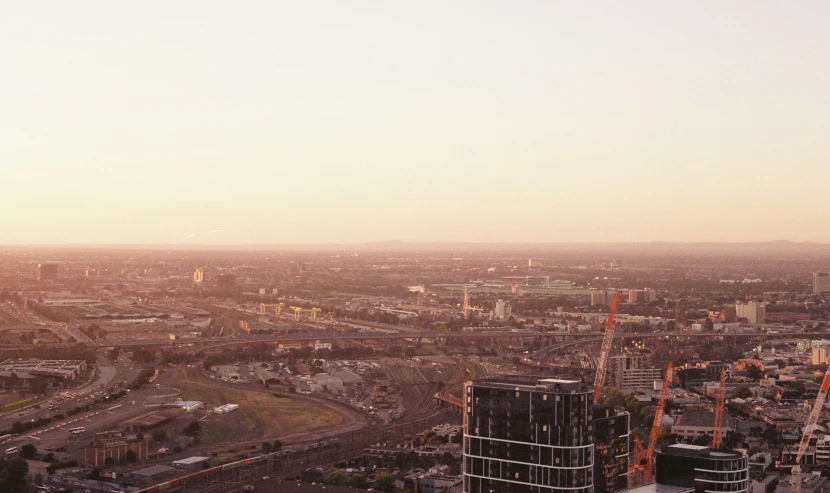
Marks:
<point>350,121</point>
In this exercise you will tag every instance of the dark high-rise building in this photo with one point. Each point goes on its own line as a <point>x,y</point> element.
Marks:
<point>227,282</point>
<point>528,434</point>
<point>47,271</point>
<point>611,445</point>
<point>703,469</point>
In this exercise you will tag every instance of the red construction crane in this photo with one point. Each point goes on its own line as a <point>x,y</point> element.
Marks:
<point>809,427</point>
<point>719,403</point>
<point>605,353</point>
<point>655,426</point>
<point>636,469</point>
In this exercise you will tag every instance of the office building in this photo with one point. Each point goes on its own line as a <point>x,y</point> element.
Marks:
<point>753,312</point>
<point>46,272</point>
<point>820,355</point>
<point>202,274</point>
<point>704,469</point>
<point>524,433</point>
<point>633,372</point>
<point>821,282</point>
<point>602,297</point>
<point>113,446</point>
<point>499,311</point>
<point>640,379</point>
<point>227,282</point>
<point>611,448</point>
<point>645,295</point>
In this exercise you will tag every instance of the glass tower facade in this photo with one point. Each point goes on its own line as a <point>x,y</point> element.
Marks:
<point>528,434</point>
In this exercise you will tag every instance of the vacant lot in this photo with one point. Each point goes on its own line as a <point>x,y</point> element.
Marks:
<point>260,414</point>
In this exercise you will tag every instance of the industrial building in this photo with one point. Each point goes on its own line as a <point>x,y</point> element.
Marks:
<point>59,370</point>
<point>524,433</point>
<point>695,423</point>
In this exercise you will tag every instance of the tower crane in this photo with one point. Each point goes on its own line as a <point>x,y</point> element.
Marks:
<point>655,426</point>
<point>809,427</point>
<point>719,403</point>
<point>605,353</point>
<point>636,469</point>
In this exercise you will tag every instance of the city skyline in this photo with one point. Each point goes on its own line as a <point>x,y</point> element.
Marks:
<point>330,123</point>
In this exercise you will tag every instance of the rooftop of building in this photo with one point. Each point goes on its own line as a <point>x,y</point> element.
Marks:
<point>283,486</point>
<point>196,459</point>
<point>659,488</point>
<point>156,470</point>
<point>686,450</point>
<point>696,418</point>
<point>529,382</point>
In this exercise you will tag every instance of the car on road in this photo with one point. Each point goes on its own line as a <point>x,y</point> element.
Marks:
<point>164,450</point>
<point>248,487</point>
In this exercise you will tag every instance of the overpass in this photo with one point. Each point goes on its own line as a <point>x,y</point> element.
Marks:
<point>550,337</point>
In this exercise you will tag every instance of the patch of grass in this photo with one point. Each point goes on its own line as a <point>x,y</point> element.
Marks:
<point>215,432</point>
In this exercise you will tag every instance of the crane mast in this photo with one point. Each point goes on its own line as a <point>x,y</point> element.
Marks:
<point>655,426</point>
<point>605,353</point>
<point>809,427</point>
<point>719,403</point>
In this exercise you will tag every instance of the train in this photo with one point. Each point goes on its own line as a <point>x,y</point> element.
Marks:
<point>202,475</point>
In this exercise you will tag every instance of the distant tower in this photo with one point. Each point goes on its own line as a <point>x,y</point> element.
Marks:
<point>466,306</point>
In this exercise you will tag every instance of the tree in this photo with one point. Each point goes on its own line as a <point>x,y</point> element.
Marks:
<point>28,451</point>
<point>109,461</point>
<point>770,435</point>
<point>95,473</point>
<point>336,478</point>
<point>130,456</point>
<point>702,440</point>
<point>447,458</point>
<point>159,435</point>
<point>754,372</point>
<point>742,392</point>
<point>193,428</point>
<point>277,446</point>
<point>266,447</point>
<point>39,386</point>
<point>13,475</point>
<point>385,482</point>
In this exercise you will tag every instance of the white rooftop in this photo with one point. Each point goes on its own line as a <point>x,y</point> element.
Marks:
<point>191,460</point>
<point>557,380</point>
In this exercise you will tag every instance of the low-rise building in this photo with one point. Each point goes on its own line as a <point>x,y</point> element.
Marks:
<point>116,446</point>
<point>696,423</point>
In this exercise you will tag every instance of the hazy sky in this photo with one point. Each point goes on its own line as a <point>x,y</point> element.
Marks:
<point>348,121</point>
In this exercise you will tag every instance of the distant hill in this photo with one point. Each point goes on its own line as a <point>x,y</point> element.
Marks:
<point>653,247</point>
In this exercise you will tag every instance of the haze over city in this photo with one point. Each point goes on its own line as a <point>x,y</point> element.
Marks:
<point>349,122</point>
<point>414,247</point>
